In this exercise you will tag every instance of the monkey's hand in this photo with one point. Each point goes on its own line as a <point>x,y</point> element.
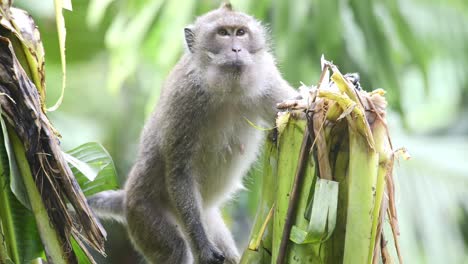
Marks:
<point>211,255</point>
<point>301,102</point>
<point>292,104</point>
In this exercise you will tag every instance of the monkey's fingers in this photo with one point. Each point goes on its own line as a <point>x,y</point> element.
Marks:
<point>295,104</point>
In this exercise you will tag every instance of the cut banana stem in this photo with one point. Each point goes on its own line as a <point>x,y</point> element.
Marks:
<point>382,146</point>
<point>261,234</point>
<point>362,176</point>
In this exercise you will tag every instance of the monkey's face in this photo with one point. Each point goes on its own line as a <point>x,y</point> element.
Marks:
<point>231,47</point>
<point>226,40</point>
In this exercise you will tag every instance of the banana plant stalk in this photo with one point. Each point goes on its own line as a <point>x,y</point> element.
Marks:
<point>38,182</point>
<point>332,187</point>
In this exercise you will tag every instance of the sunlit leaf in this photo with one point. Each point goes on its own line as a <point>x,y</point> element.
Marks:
<point>62,32</point>
<point>16,181</point>
<point>89,171</point>
<point>93,168</point>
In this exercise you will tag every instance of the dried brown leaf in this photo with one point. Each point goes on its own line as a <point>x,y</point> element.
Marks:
<point>52,175</point>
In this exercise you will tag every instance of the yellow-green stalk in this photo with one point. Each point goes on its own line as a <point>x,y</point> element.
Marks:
<point>260,240</point>
<point>50,239</point>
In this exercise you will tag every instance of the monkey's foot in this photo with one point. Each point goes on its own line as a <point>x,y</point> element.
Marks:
<point>231,258</point>
<point>211,255</point>
<point>231,261</point>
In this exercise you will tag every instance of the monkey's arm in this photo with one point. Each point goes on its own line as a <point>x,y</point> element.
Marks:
<point>281,90</point>
<point>278,91</point>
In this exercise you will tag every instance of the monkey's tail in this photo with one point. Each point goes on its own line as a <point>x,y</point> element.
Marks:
<point>108,205</point>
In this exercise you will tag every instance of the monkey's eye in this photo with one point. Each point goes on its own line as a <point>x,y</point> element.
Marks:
<point>223,32</point>
<point>240,32</point>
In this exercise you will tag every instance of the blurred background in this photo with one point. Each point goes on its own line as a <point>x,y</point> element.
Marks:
<point>119,52</point>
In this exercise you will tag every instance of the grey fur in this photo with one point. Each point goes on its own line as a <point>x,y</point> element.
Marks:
<point>108,205</point>
<point>197,145</point>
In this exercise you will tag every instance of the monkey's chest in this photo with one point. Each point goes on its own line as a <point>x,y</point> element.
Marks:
<point>226,152</point>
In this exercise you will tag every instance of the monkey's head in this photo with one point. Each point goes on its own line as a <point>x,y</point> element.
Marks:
<point>226,39</point>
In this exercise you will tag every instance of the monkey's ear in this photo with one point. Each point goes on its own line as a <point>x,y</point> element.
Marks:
<point>226,5</point>
<point>189,37</point>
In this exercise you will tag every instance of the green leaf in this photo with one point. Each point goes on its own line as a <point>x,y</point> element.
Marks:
<point>93,168</point>
<point>62,32</point>
<point>322,216</point>
<point>16,181</point>
<point>80,253</point>
<point>37,261</point>
<point>90,171</point>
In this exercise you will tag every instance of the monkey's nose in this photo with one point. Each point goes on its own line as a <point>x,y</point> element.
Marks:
<point>236,50</point>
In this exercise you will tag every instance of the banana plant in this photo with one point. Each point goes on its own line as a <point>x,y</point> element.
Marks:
<point>328,186</point>
<point>39,181</point>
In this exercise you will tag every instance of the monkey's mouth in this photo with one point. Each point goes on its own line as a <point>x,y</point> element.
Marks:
<point>235,65</point>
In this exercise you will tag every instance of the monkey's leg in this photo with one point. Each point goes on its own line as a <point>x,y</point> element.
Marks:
<point>186,198</point>
<point>221,236</point>
<point>155,233</point>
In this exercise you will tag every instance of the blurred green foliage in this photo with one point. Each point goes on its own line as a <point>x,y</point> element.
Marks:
<point>119,52</point>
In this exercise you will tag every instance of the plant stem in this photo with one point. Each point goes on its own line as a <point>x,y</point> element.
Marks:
<point>362,175</point>
<point>50,239</point>
<point>306,142</point>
